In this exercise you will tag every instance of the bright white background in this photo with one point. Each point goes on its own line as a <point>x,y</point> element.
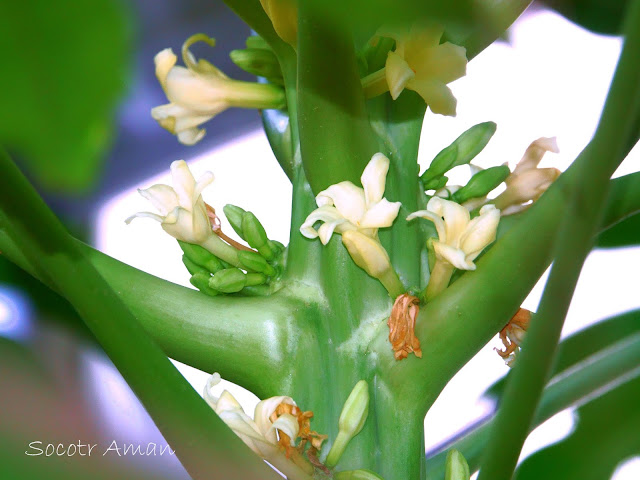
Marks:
<point>551,80</point>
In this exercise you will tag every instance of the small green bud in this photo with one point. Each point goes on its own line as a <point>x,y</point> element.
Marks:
<point>201,282</point>
<point>473,141</point>
<point>259,62</point>
<point>357,475</point>
<point>253,279</point>
<point>456,467</point>
<point>229,280</point>
<point>436,183</point>
<point>192,267</point>
<point>256,41</point>
<point>354,414</point>
<point>256,262</point>
<point>201,257</point>
<point>482,183</point>
<point>276,245</point>
<point>253,231</point>
<point>234,216</point>
<point>441,164</point>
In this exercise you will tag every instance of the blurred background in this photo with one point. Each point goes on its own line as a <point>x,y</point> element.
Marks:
<point>77,97</point>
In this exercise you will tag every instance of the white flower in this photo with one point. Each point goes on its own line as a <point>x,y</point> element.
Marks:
<point>344,207</point>
<point>527,182</point>
<point>460,239</point>
<point>183,213</point>
<point>422,64</point>
<point>200,91</point>
<point>259,434</point>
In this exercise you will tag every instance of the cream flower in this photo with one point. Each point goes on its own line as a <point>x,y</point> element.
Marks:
<point>259,434</point>
<point>344,207</point>
<point>460,239</point>
<point>200,91</point>
<point>420,63</point>
<point>527,182</point>
<point>183,213</point>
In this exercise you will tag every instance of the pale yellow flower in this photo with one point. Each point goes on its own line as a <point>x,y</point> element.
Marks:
<point>200,91</point>
<point>420,63</point>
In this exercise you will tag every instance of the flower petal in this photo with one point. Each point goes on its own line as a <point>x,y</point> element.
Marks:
<point>325,214</point>
<point>165,61</point>
<point>456,219</point>
<point>374,178</point>
<point>288,424</point>
<point>534,153</point>
<point>480,232</point>
<point>183,183</point>
<point>380,215</point>
<point>436,94</point>
<point>144,214</point>
<point>367,253</point>
<point>398,73</point>
<point>162,197</point>
<point>347,198</point>
<point>263,411</point>
<point>454,256</point>
<point>446,63</point>
<point>436,219</point>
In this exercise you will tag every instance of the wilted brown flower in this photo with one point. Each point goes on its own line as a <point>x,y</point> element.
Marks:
<point>513,334</point>
<point>402,324</point>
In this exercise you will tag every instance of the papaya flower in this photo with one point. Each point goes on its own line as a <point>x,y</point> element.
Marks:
<point>343,207</point>
<point>199,91</point>
<point>183,214</point>
<point>357,214</point>
<point>527,182</point>
<point>460,238</point>
<point>422,64</point>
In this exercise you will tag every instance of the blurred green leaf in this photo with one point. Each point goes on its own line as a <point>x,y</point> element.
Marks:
<point>606,433</point>
<point>599,16</point>
<point>64,68</point>
<point>623,234</point>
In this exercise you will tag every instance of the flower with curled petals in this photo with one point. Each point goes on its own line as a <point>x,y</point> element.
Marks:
<point>527,182</point>
<point>420,63</point>
<point>183,213</point>
<point>460,238</point>
<point>343,207</point>
<point>200,91</point>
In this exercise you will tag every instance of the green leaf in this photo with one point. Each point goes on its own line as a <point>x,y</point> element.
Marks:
<point>65,67</point>
<point>623,234</point>
<point>606,434</point>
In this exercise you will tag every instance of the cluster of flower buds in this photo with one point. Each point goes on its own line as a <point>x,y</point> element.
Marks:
<point>217,264</point>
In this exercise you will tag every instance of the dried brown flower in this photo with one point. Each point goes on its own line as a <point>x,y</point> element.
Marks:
<point>402,324</point>
<point>512,335</point>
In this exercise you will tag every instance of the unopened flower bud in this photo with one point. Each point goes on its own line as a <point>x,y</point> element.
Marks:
<point>256,262</point>
<point>234,216</point>
<point>354,414</point>
<point>200,257</point>
<point>229,280</point>
<point>253,230</point>
<point>482,183</point>
<point>456,467</point>
<point>259,62</point>
<point>200,280</point>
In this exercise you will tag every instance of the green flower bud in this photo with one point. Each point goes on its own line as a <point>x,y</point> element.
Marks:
<point>253,279</point>
<point>436,183</point>
<point>200,280</point>
<point>192,267</point>
<point>259,62</point>
<point>460,152</point>
<point>441,164</point>
<point>256,41</point>
<point>234,216</point>
<point>354,414</point>
<point>472,142</point>
<point>456,467</point>
<point>482,183</point>
<point>229,280</point>
<point>201,257</point>
<point>253,231</point>
<point>256,262</point>
<point>357,475</point>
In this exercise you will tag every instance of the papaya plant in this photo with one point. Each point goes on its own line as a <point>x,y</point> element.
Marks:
<point>392,279</point>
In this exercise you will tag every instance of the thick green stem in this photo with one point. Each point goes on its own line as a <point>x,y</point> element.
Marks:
<point>581,219</point>
<point>202,441</point>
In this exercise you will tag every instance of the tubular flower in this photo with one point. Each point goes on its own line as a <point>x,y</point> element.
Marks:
<point>527,182</point>
<point>344,207</point>
<point>183,213</point>
<point>420,63</point>
<point>460,239</point>
<point>200,91</point>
